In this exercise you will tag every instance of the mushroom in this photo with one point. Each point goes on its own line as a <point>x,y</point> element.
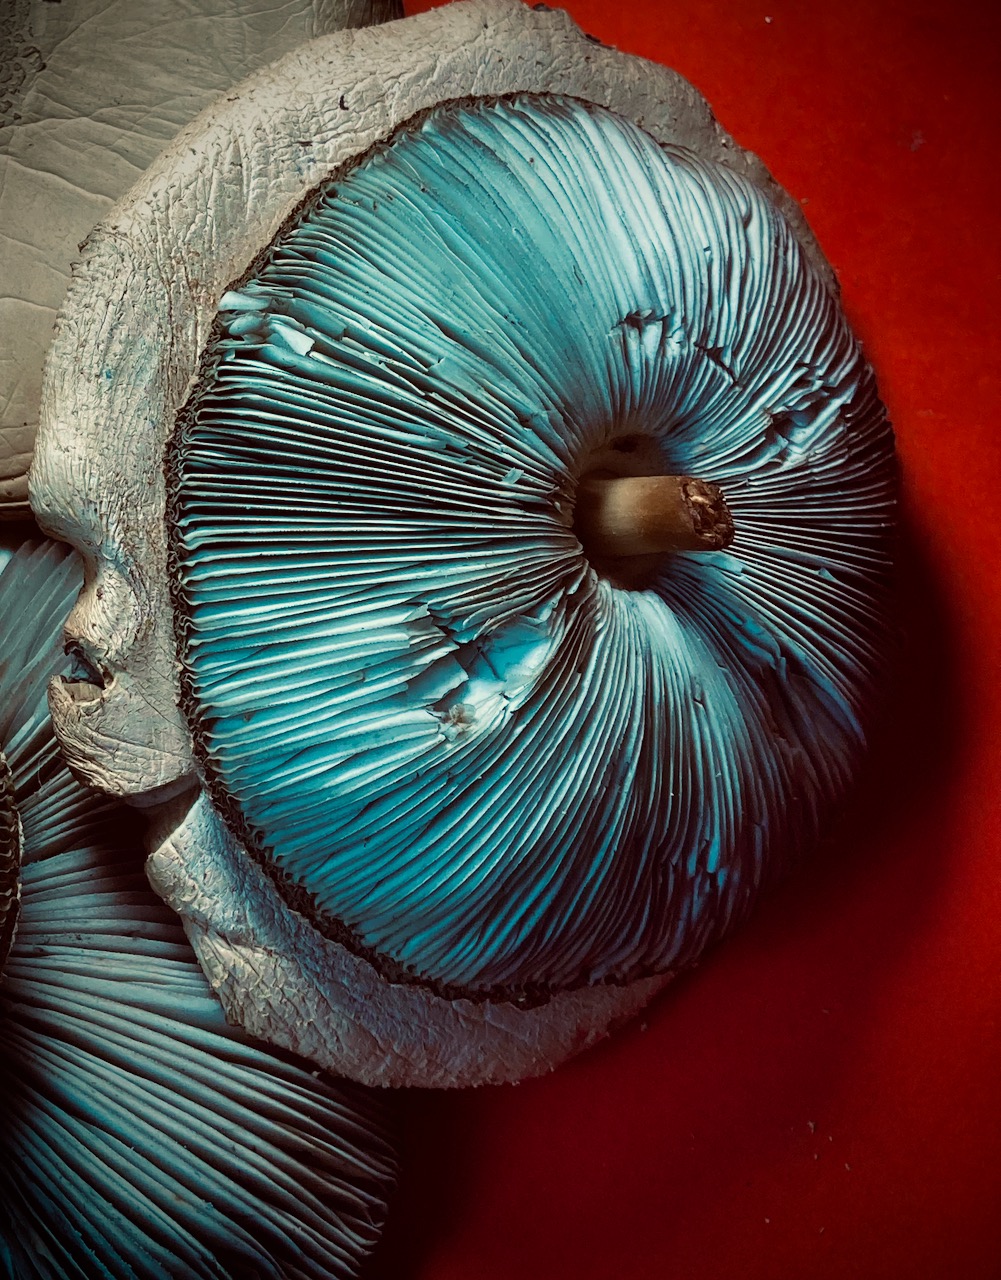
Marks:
<point>142,1135</point>
<point>91,93</point>
<point>512,597</point>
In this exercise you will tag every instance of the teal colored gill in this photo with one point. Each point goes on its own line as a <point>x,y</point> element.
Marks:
<point>457,742</point>
<point>141,1136</point>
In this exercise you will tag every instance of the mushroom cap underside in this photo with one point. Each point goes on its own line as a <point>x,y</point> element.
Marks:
<point>461,745</point>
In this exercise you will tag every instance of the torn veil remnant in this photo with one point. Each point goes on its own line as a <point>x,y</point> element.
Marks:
<point>141,1134</point>
<point>500,744</point>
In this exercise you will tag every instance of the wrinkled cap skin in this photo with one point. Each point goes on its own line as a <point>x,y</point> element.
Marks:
<point>93,90</point>
<point>141,1134</point>
<point>667,727</point>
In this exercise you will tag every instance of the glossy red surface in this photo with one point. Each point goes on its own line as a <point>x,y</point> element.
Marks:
<point>821,1097</point>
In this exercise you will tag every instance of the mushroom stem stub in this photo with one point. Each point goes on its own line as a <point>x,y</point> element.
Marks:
<point>645,515</point>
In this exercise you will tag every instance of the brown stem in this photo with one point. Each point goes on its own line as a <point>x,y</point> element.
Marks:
<point>645,515</point>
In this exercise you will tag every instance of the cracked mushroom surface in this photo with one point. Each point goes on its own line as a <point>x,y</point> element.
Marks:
<point>464,743</point>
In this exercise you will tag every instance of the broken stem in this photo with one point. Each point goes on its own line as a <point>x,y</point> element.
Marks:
<point>646,515</point>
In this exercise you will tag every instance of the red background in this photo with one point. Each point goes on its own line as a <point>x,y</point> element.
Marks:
<point>820,1098</point>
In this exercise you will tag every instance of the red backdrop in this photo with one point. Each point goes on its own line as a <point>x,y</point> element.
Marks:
<point>820,1098</point>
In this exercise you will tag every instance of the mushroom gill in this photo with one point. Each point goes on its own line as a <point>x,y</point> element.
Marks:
<point>141,1135</point>
<point>492,755</point>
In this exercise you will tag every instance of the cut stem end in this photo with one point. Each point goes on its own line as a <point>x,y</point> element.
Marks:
<point>620,516</point>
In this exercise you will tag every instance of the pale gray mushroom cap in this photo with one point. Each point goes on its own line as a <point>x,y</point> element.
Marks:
<point>92,91</point>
